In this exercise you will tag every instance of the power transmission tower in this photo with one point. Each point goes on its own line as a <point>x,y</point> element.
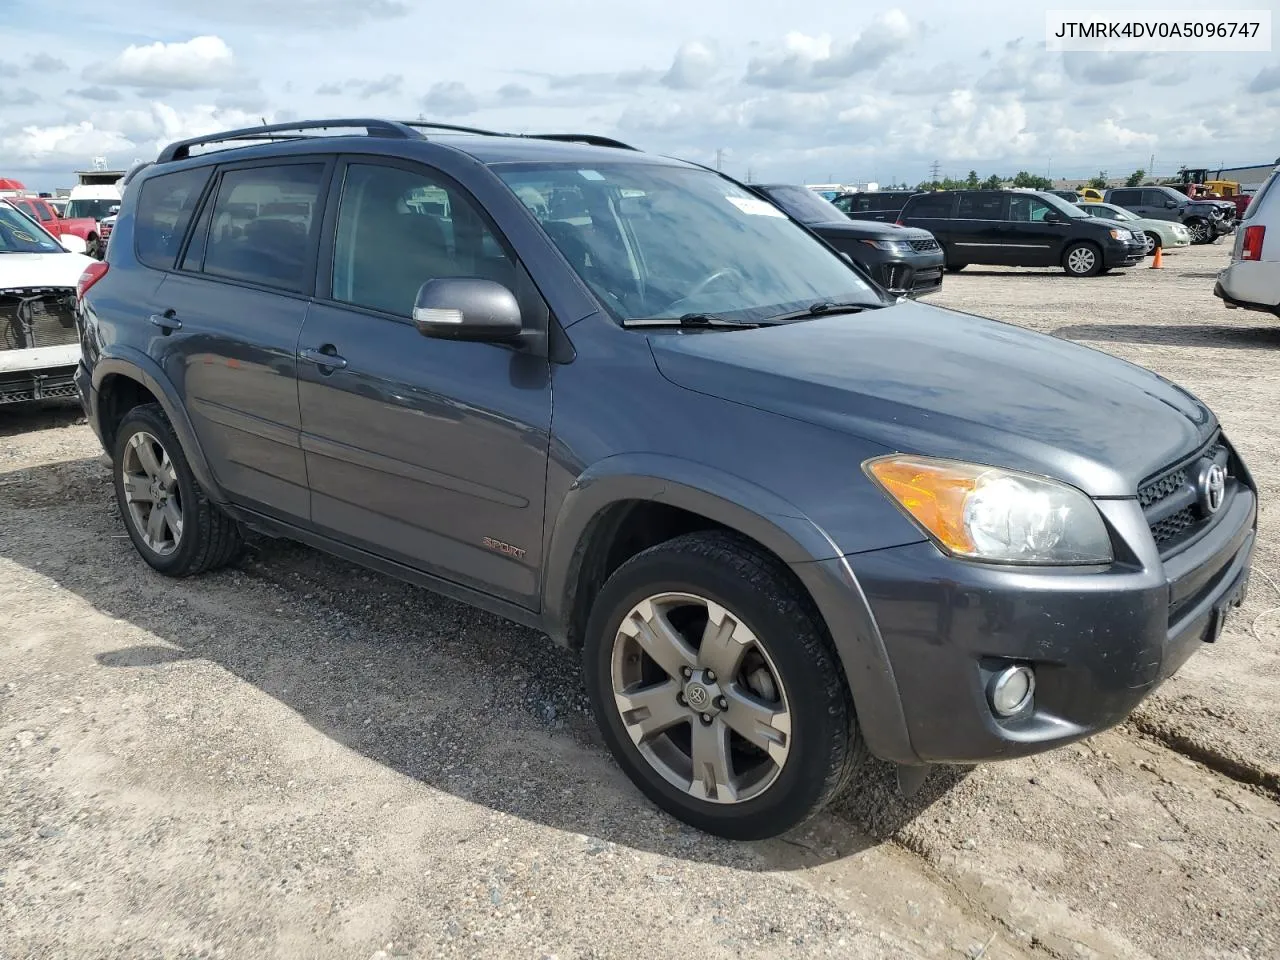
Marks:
<point>933,171</point>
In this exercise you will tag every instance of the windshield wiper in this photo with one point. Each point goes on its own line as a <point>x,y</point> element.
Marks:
<point>821,307</point>
<point>687,320</point>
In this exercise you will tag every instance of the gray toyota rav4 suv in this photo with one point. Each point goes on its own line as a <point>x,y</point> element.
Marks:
<point>787,519</point>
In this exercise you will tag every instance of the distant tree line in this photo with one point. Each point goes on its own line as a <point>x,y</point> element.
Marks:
<point>1021,179</point>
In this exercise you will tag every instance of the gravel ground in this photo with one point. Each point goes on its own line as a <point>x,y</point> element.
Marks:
<point>298,758</point>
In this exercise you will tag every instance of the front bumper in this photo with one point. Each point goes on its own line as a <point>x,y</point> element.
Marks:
<point>1100,641</point>
<point>913,274</point>
<point>1123,253</point>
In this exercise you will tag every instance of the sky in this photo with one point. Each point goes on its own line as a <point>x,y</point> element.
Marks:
<point>774,91</point>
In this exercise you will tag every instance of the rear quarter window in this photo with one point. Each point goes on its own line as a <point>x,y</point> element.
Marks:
<point>1260,197</point>
<point>165,206</point>
<point>938,206</point>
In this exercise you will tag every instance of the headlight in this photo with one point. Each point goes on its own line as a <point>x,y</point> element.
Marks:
<point>988,513</point>
<point>1119,233</point>
<point>891,246</point>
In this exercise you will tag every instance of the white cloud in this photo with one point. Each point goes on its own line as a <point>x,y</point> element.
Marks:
<point>818,61</point>
<point>693,67</point>
<point>191,65</point>
<point>449,100</point>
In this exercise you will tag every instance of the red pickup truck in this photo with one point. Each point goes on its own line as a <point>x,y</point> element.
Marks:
<point>40,210</point>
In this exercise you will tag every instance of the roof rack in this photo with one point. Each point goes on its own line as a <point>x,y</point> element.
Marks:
<point>373,128</point>
<point>587,138</point>
<point>393,129</point>
<point>454,128</point>
<point>590,139</point>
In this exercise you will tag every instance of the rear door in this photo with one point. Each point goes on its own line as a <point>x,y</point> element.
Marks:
<point>981,232</point>
<point>430,452</point>
<point>935,212</point>
<point>227,319</point>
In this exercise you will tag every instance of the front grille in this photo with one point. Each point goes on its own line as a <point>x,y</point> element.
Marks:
<point>55,384</point>
<point>1171,501</point>
<point>1171,528</point>
<point>928,243</point>
<point>1158,490</point>
<point>37,317</point>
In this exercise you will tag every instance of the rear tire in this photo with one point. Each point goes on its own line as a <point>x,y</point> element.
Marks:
<point>1082,260</point>
<point>715,598</point>
<point>173,525</point>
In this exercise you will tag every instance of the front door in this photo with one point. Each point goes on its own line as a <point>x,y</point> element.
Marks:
<point>1040,232</point>
<point>429,452</point>
<point>226,323</point>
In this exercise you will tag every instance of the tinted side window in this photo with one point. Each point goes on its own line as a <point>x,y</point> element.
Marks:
<point>263,224</point>
<point>937,205</point>
<point>397,229</point>
<point>1125,197</point>
<point>165,206</point>
<point>39,211</point>
<point>981,206</point>
<point>1155,198</point>
<point>1027,209</point>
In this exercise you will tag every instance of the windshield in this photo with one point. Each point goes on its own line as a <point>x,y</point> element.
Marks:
<point>805,205</point>
<point>20,234</point>
<point>97,209</point>
<point>658,241</point>
<point>1062,206</point>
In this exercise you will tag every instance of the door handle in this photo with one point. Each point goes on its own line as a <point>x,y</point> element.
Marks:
<point>326,358</point>
<point>167,321</point>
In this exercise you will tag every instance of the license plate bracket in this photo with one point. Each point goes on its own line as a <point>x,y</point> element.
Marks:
<point>1233,598</point>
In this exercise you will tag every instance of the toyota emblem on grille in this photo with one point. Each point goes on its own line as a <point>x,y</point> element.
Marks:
<point>1213,487</point>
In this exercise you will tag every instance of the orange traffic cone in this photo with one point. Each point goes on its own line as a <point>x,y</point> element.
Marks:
<point>1157,261</point>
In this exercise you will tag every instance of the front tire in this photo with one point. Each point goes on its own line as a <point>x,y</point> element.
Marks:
<point>717,689</point>
<point>1152,242</point>
<point>173,525</point>
<point>1082,260</point>
<point>1200,231</point>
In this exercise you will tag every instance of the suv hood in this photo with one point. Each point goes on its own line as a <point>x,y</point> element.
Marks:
<point>924,380</point>
<point>41,269</point>
<point>867,230</point>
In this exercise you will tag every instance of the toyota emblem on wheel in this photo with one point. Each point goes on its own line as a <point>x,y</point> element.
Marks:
<point>1213,488</point>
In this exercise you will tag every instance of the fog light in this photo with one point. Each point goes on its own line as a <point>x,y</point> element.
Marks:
<point>1011,690</point>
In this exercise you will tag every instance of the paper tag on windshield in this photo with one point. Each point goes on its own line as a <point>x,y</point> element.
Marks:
<point>757,208</point>
<point>591,174</point>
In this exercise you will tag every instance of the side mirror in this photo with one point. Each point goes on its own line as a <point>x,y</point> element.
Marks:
<point>73,244</point>
<point>467,308</point>
<point>1172,204</point>
<point>1053,217</point>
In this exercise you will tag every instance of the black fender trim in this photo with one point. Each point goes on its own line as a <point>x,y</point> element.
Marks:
<point>136,365</point>
<point>768,519</point>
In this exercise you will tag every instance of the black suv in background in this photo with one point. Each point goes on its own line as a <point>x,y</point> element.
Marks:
<point>1204,219</point>
<point>1021,228</point>
<point>882,205</point>
<point>786,520</point>
<point>905,261</point>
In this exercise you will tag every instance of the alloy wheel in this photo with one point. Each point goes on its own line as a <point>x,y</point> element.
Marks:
<point>700,698</point>
<point>1149,242</point>
<point>1081,260</point>
<point>151,493</point>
